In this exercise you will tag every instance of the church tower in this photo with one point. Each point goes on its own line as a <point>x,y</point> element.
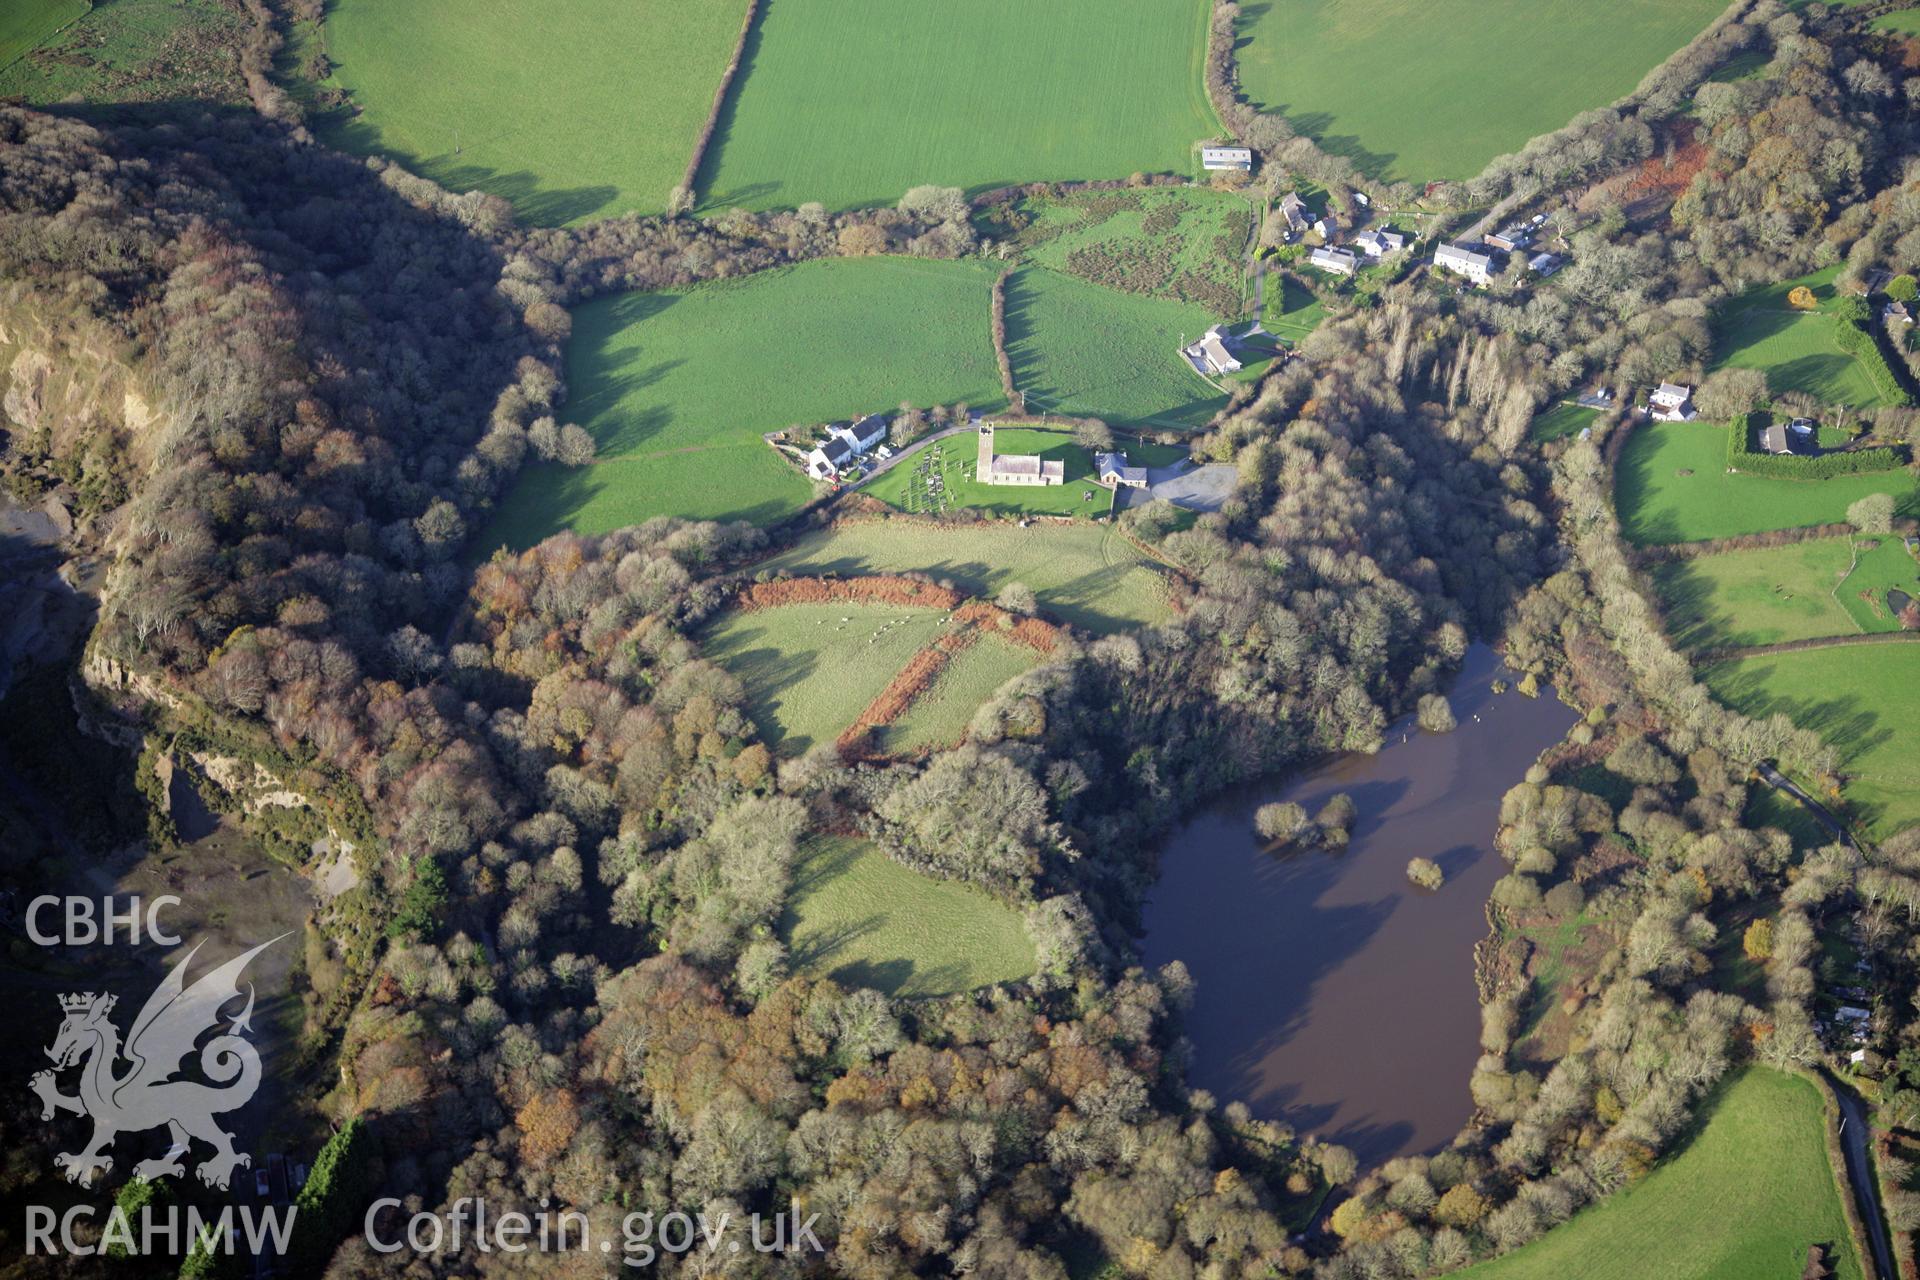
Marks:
<point>984,467</point>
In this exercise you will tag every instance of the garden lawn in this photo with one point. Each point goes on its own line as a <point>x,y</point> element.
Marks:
<point>811,669</point>
<point>1796,349</point>
<point>677,389</point>
<point>1561,421</point>
<point>25,23</point>
<point>1762,596</point>
<point>121,51</point>
<point>572,111</point>
<point>1429,89</point>
<point>938,717</point>
<point>1083,350</point>
<point>1085,574</point>
<point>1292,310</point>
<point>1659,504</point>
<point>1741,1201</point>
<point>864,920</point>
<point>855,102</point>
<point>1185,244</point>
<point>1863,698</point>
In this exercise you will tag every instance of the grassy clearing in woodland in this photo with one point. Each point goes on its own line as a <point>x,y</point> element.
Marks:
<point>811,669</point>
<point>1863,698</point>
<point>1743,1198</point>
<point>1088,351</point>
<point>1797,349</point>
<point>864,920</point>
<point>1084,574</point>
<point>1561,421</point>
<point>121,51</point>
<point>1672,486</point>
<point>938,717</point>
<point>1429,89</point>
<point>571,111</point>
<point>1795,592</point>
<point>677,389</point>
<point>854,103</point>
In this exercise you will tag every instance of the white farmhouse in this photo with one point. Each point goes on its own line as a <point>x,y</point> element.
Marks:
<point>1672,402</point>
<point>1339,262</point>
<point>1210,354</point>
<point>1474,265</point>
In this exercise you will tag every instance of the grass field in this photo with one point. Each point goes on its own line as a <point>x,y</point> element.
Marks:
<point>854,103</point>
<point>1562,420</point>
<point>1081,349</point>
<point>938,718</point>
<point>862,919</point>
<point>1085,574</point>
<point>954,460</point>
<point>121,51</point>
<point>1673,486</point>
<point>811,669</point>
<point>580,111</point>
<point>678,388</point>
<point>1864,699</point>
<point>1186,244</point>
<point>1428,89</point>
<point>1775,594</point>
<point>1292,310</point>
<point>1742,1201</point>
<point>1797,349</point>
<point>1905,22</point>
<point>25,23</point>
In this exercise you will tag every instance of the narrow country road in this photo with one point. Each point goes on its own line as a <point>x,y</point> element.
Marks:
<point>1782,783</point>
<point>1855,1133</point>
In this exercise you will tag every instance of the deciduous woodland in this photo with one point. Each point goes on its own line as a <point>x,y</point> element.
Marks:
<point>279,391</point>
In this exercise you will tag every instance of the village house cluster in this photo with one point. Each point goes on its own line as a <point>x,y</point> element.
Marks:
<point>845,445</point>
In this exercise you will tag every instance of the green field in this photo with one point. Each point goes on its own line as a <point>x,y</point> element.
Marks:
<point>1775,594</point>
<point>939,716</point>
<point>1657,503</point>
<point>1741,1201</point>
<point>1562,420</point>
<point>954,460</point>
<point>1085,574</point>
<point>1186,244</point>
<point>1906,22</point>
<point>580,111</point>
<point>811,669</point>
<point>678,388</point>
<point>25,23</point>
<point>1797,349</point>
<point>1863,698</point>
<point>862,919</point>
<point>854,103</point>
<point>118,51</point>
<point>1084,350</point>
<point>1428,89</point>
<point>1292,310</point>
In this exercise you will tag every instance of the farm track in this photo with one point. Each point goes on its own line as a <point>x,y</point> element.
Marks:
<point>1707,657</point>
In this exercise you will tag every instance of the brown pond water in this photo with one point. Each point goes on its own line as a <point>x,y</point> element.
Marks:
<point>1333,994</point>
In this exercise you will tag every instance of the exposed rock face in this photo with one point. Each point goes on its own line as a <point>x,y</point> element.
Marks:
<point>25,399</point>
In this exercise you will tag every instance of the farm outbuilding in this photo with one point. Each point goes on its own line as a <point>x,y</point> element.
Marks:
<point>1240,158</point>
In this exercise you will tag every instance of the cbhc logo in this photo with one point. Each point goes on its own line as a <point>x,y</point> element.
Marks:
<point>83,925</point>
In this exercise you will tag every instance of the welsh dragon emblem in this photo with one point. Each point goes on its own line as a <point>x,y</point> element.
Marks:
<point>144,1096</point>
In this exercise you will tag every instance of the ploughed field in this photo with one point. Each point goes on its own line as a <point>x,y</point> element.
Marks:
<point>1743,1198</point>
<point>855,102</point>
<point>678,389</point>
<point>1429,89</point>
<point>1085,574</point>
<point>862,919</point>
<point>573,111</point>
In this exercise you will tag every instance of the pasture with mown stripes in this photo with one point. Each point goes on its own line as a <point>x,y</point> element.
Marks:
<point>678,389</point>
<point>572,111</point>
<point>855,102</point>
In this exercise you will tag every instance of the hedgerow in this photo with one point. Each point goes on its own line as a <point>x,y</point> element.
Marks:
<point>1744,458</point>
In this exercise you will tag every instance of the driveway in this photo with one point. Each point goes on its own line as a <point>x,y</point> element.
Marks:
<point>1203,488</point>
